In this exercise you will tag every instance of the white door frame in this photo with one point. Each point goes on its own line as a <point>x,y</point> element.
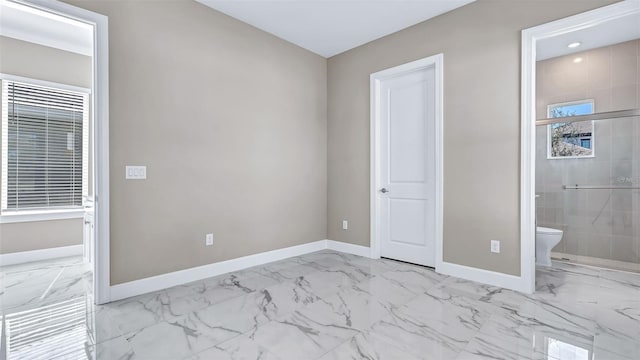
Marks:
<point>375,123</point>
<point>530,37</point>
<point>100,115</point>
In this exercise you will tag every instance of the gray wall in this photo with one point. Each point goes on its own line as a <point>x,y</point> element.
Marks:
<point>481,46</point>
<point>231,123</point>
<point>44,63</point>
<point>596,223</point>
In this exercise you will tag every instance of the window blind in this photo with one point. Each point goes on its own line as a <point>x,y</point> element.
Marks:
<point>44,147</point>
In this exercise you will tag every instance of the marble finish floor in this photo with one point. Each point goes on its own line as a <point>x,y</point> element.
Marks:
<point>325,305</point>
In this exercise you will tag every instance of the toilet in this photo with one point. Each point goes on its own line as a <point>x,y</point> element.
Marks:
<point>546,239</point>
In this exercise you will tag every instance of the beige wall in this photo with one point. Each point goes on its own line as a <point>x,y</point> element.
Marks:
<point>231,124</point>
<point>35,61</point>
<point>43,63</point>
<point>602,223</point>
<point>481,46</point>
<point>26,236</point>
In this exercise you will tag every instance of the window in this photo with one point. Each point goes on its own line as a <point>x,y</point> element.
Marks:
<point>570,140</point>
<point>44,147</point>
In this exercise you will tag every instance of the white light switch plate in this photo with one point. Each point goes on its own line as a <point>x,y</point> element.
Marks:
<point>495,246</point>
<point>345,225</point>
<point>135,172</point>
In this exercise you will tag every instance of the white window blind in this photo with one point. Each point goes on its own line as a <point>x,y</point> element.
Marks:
<point>44,147</point>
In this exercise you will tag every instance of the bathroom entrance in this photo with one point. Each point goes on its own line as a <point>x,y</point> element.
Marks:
<point>581,111</point>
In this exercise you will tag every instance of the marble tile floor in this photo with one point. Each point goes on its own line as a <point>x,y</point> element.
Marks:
<point>324,305</point>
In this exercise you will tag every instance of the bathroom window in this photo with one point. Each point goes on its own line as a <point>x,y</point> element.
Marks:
<point>570,140</point>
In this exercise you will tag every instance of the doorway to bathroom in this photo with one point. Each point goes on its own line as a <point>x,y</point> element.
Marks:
<point>581,140</point>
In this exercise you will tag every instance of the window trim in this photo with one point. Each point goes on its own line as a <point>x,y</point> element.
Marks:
<point>66,87</point>
<point>14,216</point>
<point>10,217</point>
<point>593,127</point>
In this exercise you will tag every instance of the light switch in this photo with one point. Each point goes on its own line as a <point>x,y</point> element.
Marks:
<point>135,172</point>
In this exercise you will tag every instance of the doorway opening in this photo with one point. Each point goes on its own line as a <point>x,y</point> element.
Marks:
<point>55,178</point>
<point>55,198</point>
<point>580,151</point>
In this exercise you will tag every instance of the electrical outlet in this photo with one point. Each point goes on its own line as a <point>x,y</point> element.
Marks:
<point>495,246</point>
<point>345,225</point>
<point>209,239</point>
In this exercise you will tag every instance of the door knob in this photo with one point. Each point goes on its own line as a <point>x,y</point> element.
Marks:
<point>384,190</point>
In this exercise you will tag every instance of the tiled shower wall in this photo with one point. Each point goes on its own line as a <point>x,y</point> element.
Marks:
<point>602,224</point>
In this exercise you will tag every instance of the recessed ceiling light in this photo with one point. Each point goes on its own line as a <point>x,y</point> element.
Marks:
<point>574,44</point>
<point>577,60</point>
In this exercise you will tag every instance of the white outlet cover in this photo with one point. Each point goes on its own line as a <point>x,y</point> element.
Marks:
<point>345,225</point>
<point>495,246</point>
<point>209,239</point>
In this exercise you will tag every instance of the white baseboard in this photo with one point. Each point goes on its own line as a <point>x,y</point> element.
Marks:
<point>164,281</point>
<point>349,248</point>
<point>38,255</point>
<point>494,278</point>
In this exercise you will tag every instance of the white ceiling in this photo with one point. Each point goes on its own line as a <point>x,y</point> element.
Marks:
<point>29,24</point>
<point>329,27</point>
<point>608,33</point>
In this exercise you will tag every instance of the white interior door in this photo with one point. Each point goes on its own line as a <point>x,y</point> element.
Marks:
<point>407,166</point>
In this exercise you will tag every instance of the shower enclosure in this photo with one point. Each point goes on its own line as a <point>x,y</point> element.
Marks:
<point>588,155</point>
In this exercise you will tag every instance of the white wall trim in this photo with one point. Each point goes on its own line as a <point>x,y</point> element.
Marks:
<point>164,281</point>
<point>38,255</point>
<point>438,62</point>
<point>44,83</point>
<point>527,170</point>
<point>100,108</point>
<point>439,155</point>
<point>349,248</point>
<point>21,22</point>
<point>29,216</point>
<point>530,37</point>
<point>494,278</point>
